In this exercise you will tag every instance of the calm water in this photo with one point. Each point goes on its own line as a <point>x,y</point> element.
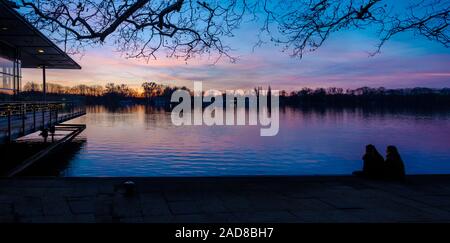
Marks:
<point>140,141</point>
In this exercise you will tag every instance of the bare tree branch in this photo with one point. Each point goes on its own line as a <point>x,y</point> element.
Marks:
<point>187,28</point>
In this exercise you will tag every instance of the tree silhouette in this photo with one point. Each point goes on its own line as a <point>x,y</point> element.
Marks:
<point>187,28</point>
<point>152,89</point>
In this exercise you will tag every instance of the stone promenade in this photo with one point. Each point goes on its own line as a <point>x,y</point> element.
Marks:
<point>229,199</point>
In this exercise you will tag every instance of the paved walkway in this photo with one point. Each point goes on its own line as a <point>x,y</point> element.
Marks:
<point>260,199</point>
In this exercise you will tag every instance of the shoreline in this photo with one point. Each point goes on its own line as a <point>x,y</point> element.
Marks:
<point>305,177</point>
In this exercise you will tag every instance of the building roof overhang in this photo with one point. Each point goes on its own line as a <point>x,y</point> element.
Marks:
<point>35,49</point>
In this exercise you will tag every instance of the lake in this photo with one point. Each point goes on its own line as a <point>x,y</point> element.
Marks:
<point>142,141</point>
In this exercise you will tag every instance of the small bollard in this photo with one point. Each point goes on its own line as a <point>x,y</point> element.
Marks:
<point>130,188</point>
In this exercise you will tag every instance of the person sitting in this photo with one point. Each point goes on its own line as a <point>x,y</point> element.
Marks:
<point>394,166</point>
<point>372,164</point>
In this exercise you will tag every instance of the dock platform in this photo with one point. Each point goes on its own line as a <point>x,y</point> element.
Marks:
<point>67,132</point>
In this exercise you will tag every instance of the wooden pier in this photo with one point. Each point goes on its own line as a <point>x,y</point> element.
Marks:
<point>20,119</point>
<point>70,132</point>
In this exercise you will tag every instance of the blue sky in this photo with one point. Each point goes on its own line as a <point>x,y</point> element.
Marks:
<point>343,61</point>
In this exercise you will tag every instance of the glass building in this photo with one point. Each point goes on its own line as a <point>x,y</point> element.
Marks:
<point>24,46</point>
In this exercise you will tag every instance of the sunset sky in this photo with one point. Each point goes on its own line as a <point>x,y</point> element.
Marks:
<point>343,61</point>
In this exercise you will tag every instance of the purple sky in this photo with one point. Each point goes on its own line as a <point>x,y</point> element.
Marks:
<point>344,61</point>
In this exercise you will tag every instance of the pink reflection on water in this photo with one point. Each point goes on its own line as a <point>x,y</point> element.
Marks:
<point>140,141</point>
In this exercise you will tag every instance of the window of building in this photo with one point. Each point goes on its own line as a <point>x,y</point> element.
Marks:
<point>10,74</point>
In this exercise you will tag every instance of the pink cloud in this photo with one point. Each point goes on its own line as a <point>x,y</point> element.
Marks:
<point>333,65</point>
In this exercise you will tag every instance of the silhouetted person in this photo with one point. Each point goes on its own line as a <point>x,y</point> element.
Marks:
<point>44,134</point>
<point>373,163</point>
<point>394,166</point>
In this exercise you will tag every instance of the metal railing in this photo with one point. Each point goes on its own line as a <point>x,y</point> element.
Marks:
<point>21,118</point>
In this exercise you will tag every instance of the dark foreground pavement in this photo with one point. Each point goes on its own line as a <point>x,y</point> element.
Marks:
<point>240,199</point>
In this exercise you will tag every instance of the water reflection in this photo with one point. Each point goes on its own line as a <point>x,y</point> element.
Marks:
<point>141,141</point>
<point>57,161</point>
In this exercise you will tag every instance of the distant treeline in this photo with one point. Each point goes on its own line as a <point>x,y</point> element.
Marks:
<point>149,89</point>
<point>366,96</point>
<point>153,93</point>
